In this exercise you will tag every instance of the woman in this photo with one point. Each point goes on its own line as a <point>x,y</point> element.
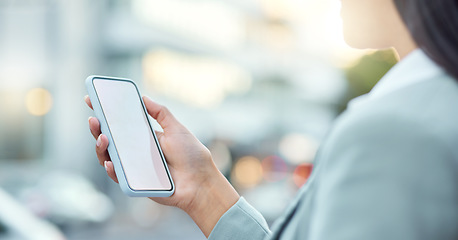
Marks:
<point>388,168</point>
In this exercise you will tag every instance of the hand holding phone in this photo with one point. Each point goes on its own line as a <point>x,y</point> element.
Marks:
<point>137,158</point>
<point>200,188</point>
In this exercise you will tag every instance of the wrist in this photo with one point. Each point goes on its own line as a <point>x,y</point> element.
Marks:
<point>213,198</point>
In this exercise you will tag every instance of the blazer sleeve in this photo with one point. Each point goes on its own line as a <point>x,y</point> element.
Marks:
<point>240,222</point>
<point>387,178</point>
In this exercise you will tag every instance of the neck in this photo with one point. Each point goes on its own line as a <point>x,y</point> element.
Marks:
<point>402,52</point>
<point>404,43</point>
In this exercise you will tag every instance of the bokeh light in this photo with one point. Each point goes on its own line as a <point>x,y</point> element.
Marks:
<point>302,173</point>
<point>200,81</point>
<point>38,101</point>
<point>247,172</point>
<point>298,148</point>
<point>275,168</point>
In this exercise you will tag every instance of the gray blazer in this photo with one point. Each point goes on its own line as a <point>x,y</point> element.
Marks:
<point>387,170</point>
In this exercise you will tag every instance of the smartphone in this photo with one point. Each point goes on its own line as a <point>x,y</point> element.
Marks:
<point>133,146</point>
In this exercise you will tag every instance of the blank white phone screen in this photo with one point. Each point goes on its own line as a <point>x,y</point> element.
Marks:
<point>132,135</point>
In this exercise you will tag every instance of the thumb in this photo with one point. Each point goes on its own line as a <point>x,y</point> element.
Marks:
<point>163,116</point>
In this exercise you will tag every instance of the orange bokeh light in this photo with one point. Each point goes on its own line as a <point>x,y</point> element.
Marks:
<point>302,173</point>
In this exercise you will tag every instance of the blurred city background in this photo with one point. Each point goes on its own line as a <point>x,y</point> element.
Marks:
<point>259,82</point>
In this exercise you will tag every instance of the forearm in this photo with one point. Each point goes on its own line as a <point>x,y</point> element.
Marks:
<point>212,200</point>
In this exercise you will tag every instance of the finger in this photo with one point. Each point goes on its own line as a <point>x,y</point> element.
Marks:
<point>162,115</point>
<point>101,149</point>
<point>88,101</point>
<point>109,167</point>
<point>159,134</point>
<point>94,126</point>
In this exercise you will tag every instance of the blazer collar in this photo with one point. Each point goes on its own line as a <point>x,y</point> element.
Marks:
<point>414,68</point>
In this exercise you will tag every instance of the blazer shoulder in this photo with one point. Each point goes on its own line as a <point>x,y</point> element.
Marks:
<point>427,109</point>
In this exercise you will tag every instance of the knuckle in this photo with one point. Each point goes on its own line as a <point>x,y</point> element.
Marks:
<point>164,110</point>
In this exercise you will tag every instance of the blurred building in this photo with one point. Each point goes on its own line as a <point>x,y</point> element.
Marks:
<point>258,81</point>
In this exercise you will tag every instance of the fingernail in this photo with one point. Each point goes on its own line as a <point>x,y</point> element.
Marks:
<point>99,140</point>
<point>89,119</point>
<point>105,165</point>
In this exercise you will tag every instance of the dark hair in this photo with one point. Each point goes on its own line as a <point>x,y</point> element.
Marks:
<point>433,25</point>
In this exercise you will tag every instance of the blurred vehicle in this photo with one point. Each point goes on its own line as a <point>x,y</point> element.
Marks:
<point>17,222</point>
<point>66,198</point>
